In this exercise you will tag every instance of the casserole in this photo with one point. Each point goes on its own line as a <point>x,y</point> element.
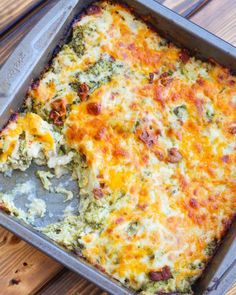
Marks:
<point>170,155</point>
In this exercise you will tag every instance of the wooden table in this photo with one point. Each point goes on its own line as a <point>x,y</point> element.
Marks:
<point>25,270</point>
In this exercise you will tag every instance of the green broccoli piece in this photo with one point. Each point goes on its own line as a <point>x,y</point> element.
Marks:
<point>180,111</point>
<point>77,41</point>
<point>211,247</point>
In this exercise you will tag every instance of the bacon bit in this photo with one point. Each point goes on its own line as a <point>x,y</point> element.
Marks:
<point>226,223</point>
<point>78,133</point>
<point>174,156</point>
<point>145,159</point>
<point>109,231</point>
<point>203,203</point>
<point>200,219</point>
<point>170,132</point>
<point>232,82</point>
<point>132,189</point>
<point>195,192</point>
<point>59,106</point>
<point>121,44</point>
<point>190,214</point>
<point>94,108</point>
<point>3,208</point>
<point>113,95</point>
<point>193,203</point>
<point>98,193</point>
<point>35,85</point>
<point>134,106</point>
<point>199,105</point>
<point>102,184</point>
<point>13,117</point>
<point>93,9</point>
<point>143,192</point>
<point>142,206</point>
<point>184,56</point>
<point>131,46</point>
<point>156,72</point>
<point>164,75</point>
<point>200,81</point>
<point>225,158</point>
<point>160,155</point>
<point>214,206</point>
<point>232,129</point>
<point>100,175</point>
<point>151,78</point>
<point>220,77</point>
<point>212,198</point>
<point>158,96</point>
<point>119,220</point>
<point>147,138</point>
<point>100,133</point>
<point>183,182</point>
<point>98,266</point>
<point>83,91</point>
<point>211,171</point>
<point>166,81</point>
<point>162,275</point>
<point>175,96</point>
<point>58,111</point>
<point>119,152</point>
<point>56,118</point>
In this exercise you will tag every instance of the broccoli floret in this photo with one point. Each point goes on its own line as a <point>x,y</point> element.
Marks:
<point>133,228</point>
<point>77,42</point>
<point>209,112</point>
<point>180,111</point>
<point>97,74</point>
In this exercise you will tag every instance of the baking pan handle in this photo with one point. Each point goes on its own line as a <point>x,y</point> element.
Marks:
<point>29,51</point>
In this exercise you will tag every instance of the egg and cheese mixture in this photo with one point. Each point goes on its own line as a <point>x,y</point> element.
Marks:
<point>149,132</point>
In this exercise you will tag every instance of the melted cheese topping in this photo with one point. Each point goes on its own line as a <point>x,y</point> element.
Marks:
<point>24,139</point>
<point>157,129</point>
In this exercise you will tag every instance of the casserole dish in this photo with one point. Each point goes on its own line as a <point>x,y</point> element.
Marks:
<point>168,35</point>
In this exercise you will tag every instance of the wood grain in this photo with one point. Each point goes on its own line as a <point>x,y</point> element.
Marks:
<point>70,283</point>
<point>184,7</point>
<point>232,291</point>
<point>10,40</point>
<point>23,268</point>
<point>10,10</point>
<point>218,18</point>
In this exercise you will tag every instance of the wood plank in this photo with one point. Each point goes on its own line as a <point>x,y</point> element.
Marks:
<point>69,283</point>
<point>232,291</point>
<point>219,17</point>
<point>10,40</point>
<point>10,10</point>
<point>23,268</point>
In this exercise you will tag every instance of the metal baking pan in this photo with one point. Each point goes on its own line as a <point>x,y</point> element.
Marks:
<point>28,61</point>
